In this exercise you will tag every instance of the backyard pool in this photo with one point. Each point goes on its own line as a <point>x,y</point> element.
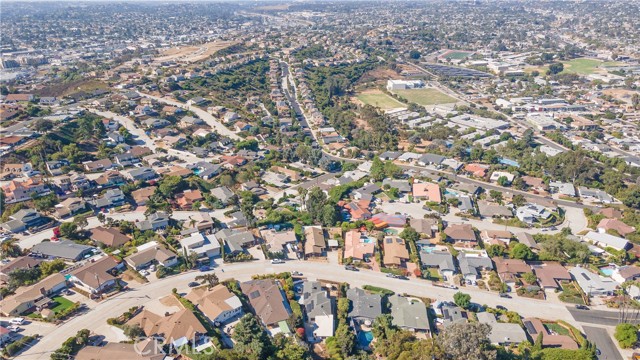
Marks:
<point>368,240</point>
<point>427,249</point>
<point>365,338</point>
<point>607,270</point>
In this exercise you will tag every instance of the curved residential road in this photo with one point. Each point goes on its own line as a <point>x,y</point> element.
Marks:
<point>205,116</point>
<point>95,318</point>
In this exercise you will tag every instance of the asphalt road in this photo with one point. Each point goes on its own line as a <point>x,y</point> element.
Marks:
<point>599,317</point>
<point>95,318</point>
<point>600,336</point>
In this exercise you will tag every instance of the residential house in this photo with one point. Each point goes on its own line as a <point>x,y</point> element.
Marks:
<point>34,296</point>
<point>595,195</point>
<point>140,174</point>
<point>430,159</point>
<point>22,262</point>
<point>501,174</point>
<point>267,300</point>
<point>395,251</point>
<point>200,221</point>
<point>110,178</point>
<point>69,207</point>
<point>95,277</point>
<point>125,159</point>
<point>18,191</point>
<point>177,329</point>
<point>235,241</point>
<point>366,192</point>
<point>151,253</point>
<point>534,183</point>
<point>606,225</point>
<point>510,269</point>
<point>565,189</point>
<point>200,244</point>
<point>477,170</point>
<point>531,213</point>
<point>426,227</point>
<point>218,303</point>
<point>490,210</point>
<point>625,273</point>
<point>593,284</point>
<point>364,307</point>
<point>278,241</point>
<point>605,240</point>
<point>63,249</point>
<point>55,167</point>
<point>357,246</point>
<point>22,220</point>
<point>187,121</point>
<point>141,196</point>
<point>442,260</point>
<point>358,210</point>
<point>111,198</point>
<point>452,314</point>
<point>98,165</point>
<point>528,240</point>
<point>461,234</point>
<point>224,194</point>
<point>409,314</point>
<point>502,333</point>
<point>320,310</point>
<point>472,266</point>
<point>111,237</point>
<point>189,198</point>
<point>552,340</point>
<point>144,350</point>
<point>383,220</point>
<point>496,237</point>
<point>550,274</point>
<point>155,221</point>
<point>315,243</point>
<point>205,170</point>
<point>427,191</point>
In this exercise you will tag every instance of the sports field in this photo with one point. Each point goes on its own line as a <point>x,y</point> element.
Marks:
<point>581,66</point>
<point>455,55</point>
<point>379,99</point>
<point>426,96</point>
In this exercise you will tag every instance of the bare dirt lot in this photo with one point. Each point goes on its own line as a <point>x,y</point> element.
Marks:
<point>191,54</point>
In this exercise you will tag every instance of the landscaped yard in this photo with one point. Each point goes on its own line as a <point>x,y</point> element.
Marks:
<point>377,98</point>
<point>570,293</point>
<point>60,304</point>
<point>434,274</point>
<point>558,329</point>
<point>426,96</point>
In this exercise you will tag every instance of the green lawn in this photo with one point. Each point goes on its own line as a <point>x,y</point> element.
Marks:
<point>457,55</point>
<point>581,66</point>
<point>380,100</point>
<point>60,304</point>
<point>434,274</point>
<point>427,96</point>
<point>560,330</point>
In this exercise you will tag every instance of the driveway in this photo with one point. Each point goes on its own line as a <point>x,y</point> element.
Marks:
<point>602,339</point>
<point>414,210</point>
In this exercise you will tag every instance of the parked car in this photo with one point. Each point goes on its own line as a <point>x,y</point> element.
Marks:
<point>391,275</point>
<point>505,295</point>
<point>17,321</point>
<point>296,273</point>
<point>500,307</point>
<point>351,268</point>
<point>400,277</point>
<point>144,273</point>
<point>277,261</point>
<point>204,268</point>
<point>14,328</point>
<point>582,307</point>
<point>193,284</point>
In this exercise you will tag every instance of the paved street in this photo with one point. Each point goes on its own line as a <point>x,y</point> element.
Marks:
<point>604,342</point>
<point>600,317</point>
<point>205,116</point>
<point>95,319</point>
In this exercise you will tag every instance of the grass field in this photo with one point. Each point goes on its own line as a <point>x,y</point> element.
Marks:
<point>61,304</point>
<point>581,66</point>
<point>456,55</point>
<point>379,99</point>
<point>426,96</point>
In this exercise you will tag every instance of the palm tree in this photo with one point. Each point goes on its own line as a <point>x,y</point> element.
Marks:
<point>211,279</point>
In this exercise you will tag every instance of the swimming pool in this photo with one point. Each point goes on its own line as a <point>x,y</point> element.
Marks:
<point>367,240</point>
<point>365,338</point>
<point>607,270</point>
<point>428,249</point>
<point>450,192</point>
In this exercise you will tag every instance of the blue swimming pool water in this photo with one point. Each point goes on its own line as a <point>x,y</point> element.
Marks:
<point>365,338</point>
<point>607,271</point>
<point>427,249</point>
<point>367,240</point>
<point>450,192</point>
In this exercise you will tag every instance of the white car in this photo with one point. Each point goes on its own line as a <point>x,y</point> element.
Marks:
<point>144,273</point>
<point>277,261</point>
<point>14,328</point>
<point>17,321</point>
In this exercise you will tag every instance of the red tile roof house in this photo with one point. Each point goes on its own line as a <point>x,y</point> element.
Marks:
<point>357,246</point>
<point>510,269</point>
